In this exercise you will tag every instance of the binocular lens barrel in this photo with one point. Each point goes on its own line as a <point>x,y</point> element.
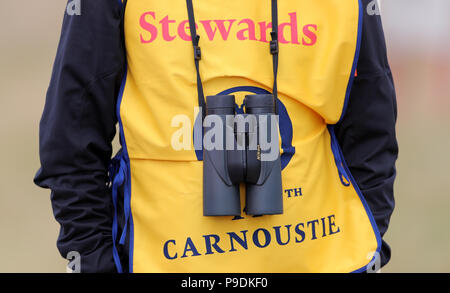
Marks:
<point>220,105</point>
<point>259,104</point>
<point>220,196</point>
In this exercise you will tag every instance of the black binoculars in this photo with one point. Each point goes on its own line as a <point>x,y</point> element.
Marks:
<point>240,152</point>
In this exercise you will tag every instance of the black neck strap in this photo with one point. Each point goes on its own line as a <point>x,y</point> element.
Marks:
<point>274,51</point>
<point>198,54</point>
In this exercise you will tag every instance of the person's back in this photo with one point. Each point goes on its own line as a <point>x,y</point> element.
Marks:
<point>337,135</point>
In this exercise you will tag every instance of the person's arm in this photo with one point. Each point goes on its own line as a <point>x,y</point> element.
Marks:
<point>76,130</point>
<point>367,131</point>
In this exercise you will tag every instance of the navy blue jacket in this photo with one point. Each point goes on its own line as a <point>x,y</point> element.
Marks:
<point>79,123</point>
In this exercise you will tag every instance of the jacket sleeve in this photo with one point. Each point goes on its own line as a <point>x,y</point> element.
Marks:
<point>77,127</point>
<point>367,131</point>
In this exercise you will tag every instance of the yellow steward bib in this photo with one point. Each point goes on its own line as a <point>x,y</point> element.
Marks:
<point>326,225</point>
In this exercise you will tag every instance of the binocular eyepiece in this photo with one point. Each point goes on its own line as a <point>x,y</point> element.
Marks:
<point>243,148</point>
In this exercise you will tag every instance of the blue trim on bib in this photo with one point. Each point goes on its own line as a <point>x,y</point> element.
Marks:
<point>337,152</point>
<point>341,164</point>
<point>121,176</point>
<point>116,178</point>
<point>355,61</point>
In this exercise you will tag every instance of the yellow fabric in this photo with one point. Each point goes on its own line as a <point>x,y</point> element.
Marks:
<point>166,185</point>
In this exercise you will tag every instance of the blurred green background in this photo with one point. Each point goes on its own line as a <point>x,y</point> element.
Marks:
<point>418,39</point>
